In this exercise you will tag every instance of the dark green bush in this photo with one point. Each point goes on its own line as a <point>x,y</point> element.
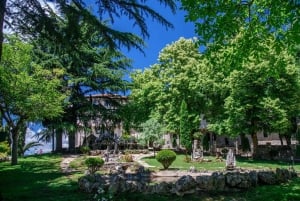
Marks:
<point>93,164</point>
<point>85,149</point>
<point>166,157</point>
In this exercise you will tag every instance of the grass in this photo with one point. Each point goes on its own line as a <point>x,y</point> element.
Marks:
<point>216,165</point>
<point>39,178</point>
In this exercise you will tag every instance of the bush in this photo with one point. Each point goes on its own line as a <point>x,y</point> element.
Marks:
<point>85,149</point>
<point>4,147</point>
<point>94,164</point>
<point>166,157</point>
<point>127,158</point>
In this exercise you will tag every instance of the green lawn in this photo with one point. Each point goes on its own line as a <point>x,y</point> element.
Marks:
<point>180,163</point>
<point>39,178</point>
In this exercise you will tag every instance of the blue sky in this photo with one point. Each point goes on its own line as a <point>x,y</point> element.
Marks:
<point>159,36</point>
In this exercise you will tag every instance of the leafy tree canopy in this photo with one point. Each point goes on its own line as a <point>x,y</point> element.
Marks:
<point>34,18</point>
<point>180,74</point>
<point>28,92</point>
<point>217,21</point>
<point>262,90</point>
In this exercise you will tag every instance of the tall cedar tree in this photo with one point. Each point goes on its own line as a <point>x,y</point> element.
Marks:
<point>33,18</point>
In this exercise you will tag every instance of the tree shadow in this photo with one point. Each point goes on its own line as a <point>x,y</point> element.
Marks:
<point>37,178</point>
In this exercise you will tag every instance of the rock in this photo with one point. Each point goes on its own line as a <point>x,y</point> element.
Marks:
<point>205,182</point>
<point>160,188</point>
<point>91,183</point>
<point>283,175</point>
<point>238,180</point>
<point>253,178</point>
<point>218,181</point>
<point>185,183</point>
<point>118,184</point>
<point>267,177</point>
<point>138,182</point>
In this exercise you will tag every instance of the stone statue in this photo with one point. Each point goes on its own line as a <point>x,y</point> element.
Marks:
<point>230,160</point>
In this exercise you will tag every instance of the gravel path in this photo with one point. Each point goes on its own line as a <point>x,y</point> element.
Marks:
<point>65,163</point>
<point>138,158</point>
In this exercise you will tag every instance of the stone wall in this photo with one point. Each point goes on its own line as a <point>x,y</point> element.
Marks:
<point>230,181</point>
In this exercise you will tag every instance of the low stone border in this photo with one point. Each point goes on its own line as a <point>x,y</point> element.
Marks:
<point>229,181</point>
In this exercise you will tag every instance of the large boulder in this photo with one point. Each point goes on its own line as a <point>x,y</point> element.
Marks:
<point>92,182</point>
<point>205,182</point>
<point>118,184</point>
<point>185,185</point>
<point>267,177</point>
<point>283,175</point>
<point>238,180</point>
<point>213,182</point>
<point>253,178</point>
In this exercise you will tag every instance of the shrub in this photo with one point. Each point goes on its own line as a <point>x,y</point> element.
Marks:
<point>166,157</point>
<point>4,147</point>
<point>85,149</point>
<point>127,158</point>
<point>94,164</point>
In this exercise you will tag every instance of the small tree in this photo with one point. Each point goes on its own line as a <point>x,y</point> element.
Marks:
<point>94,164</point>
<point>152,132</point>
<point>28,91</point>
<point>166,158</point>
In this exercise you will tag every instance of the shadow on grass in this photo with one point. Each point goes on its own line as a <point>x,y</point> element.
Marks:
<point>38,178</point>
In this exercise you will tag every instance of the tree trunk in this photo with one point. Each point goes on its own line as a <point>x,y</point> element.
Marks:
<point>255,144</point>
<point>288,140</point>
<point>52,137</point>
<point>72,142</point>
<point>280,138</point>
<point>2,14</point>
<point>14,151</point>
<point>58,140</point>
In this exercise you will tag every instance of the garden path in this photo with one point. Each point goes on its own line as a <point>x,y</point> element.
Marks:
<point>65,163</point>
<point>138,158</point>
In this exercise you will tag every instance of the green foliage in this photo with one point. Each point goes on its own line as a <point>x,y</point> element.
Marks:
<point>37,15</point>
<point>197,135</point>
<point>4,147</point>
<point>217,21</point>
<point>166,158</point>
<point>24,84</point>
<point>152,131</point>
<point>261,91</point>
<point>93,164</point>
<point>29,145</point>
<point>181,71</point>
<point>185,128</point>
<point>85,149</point>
